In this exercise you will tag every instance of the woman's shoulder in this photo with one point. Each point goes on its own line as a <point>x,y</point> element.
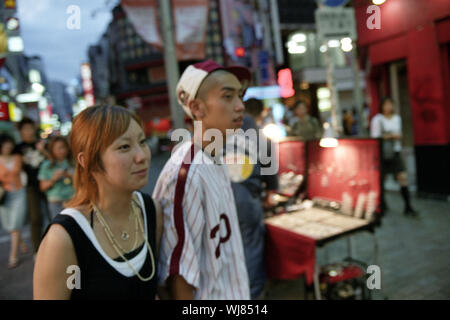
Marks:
<point>46,163</point>
<point>69,221</point>
<point>57,238</point>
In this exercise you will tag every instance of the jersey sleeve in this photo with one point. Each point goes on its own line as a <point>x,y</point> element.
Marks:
<point>181,239</point>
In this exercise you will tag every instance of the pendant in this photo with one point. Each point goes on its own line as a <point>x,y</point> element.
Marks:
<point>124,236</point>
<point>67,181</point>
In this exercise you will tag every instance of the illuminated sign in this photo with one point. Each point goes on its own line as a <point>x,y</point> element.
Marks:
<point>10,4</point>
<point>88,87</point>
<point>286,83</point>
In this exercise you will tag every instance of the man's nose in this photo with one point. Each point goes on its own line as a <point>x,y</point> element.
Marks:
<point>240,107</point>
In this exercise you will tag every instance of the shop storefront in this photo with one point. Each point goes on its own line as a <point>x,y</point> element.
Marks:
<point>407,58</point>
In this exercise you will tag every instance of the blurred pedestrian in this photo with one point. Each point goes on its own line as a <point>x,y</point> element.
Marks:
<point>387,125</point>
<point>347,122</point>
<point>201,251</point>
<point>248,192</point>
<point>355,123</point>
<point>33,153</point>
<point>56,175</point>
<point>305,126</point>
<point>13,210</point>
<point>109,231</point>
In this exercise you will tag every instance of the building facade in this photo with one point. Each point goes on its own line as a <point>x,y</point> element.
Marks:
<point>407,58</point>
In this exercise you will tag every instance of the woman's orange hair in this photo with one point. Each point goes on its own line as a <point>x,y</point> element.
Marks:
<point>94,130</point>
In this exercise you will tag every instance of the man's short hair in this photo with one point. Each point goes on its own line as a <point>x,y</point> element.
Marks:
<point>192,78</point>
<point>254,107</point>
<point>299,102</point>
<point>24,122</point>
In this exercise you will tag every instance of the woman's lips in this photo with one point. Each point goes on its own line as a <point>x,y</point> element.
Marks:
<point>142,172</point>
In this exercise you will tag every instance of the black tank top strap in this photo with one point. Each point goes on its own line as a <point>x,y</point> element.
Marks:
<point>150,209</point>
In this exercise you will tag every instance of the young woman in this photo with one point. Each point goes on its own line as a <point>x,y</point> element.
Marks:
<point>56,174</point>
<point>388,126</point>
<point>104,244</point>
<point>13,210</point>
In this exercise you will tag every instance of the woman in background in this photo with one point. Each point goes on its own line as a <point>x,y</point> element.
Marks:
<point>56,174</point>
<point>13,210</point>
<point>388,126</point>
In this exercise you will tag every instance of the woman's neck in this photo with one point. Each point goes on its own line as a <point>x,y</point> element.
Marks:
<point>114,205</point>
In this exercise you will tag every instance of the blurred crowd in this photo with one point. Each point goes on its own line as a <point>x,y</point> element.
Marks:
<point>36,178</point>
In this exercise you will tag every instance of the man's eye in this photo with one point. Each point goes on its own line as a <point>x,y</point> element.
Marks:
<point>143,141</point>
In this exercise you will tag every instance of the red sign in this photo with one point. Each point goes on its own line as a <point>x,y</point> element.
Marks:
<point>239,52</point>
<point>4,111</point>
<point>286,83</point>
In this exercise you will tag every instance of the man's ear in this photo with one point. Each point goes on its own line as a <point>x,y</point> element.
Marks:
<point>81,160</point>
<point>197,108</point>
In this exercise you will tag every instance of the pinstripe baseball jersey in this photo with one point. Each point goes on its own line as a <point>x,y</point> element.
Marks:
<point>201,240</point>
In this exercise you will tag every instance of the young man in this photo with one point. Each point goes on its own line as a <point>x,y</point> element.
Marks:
<point>201,254</point>
<point>305,126</point>
<point>33,153</point>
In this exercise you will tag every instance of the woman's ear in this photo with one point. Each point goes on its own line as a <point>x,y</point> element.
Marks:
<point>81,159</point>
<point>197,108</point>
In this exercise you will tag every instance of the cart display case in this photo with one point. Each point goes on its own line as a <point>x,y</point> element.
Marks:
<point>342,187</point>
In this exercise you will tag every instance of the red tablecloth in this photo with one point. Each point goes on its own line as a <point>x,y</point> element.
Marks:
<point>289,255</point>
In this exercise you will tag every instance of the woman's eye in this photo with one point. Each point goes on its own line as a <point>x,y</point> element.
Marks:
<point>124,147</point>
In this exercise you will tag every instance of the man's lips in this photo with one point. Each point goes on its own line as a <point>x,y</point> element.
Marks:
<point>239,119</point>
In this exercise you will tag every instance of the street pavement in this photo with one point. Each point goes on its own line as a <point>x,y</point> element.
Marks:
<point>413,253</point>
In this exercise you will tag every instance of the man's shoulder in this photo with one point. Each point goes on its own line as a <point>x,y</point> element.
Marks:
<point>172,167</point>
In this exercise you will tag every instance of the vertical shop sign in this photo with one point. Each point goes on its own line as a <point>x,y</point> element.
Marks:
<point>86,82</point>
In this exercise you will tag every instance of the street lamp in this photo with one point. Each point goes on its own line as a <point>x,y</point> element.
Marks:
<point>333,43</point>
<point>346,44</point>
<point>15,44</point>
<point>328,140</point>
